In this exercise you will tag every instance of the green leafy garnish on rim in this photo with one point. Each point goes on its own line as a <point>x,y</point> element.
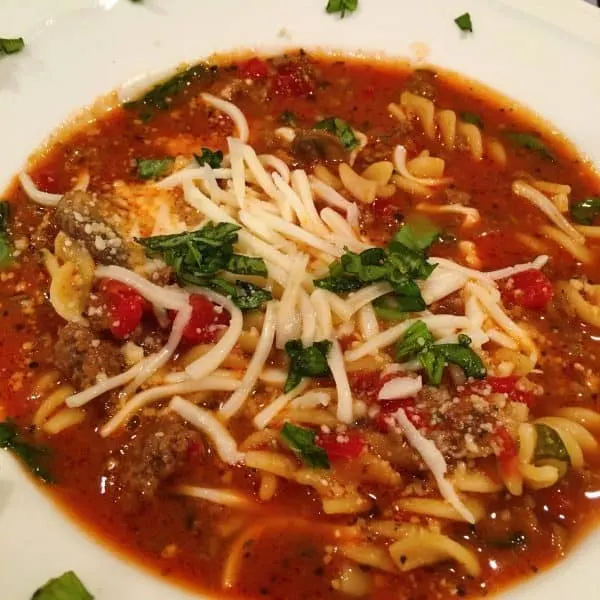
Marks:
<point>464,22</point>
<point>306,362</point>
<point>586,211</point>
<point>302,442</point>
<point>32,456</point>
<point>418,342</point>
<point>530,141</point>
<point>11,45</point>
<point>5,245</point>
<point>212,158</point>
<point>401,264</point>
<point>153,168</point>
<point>341,129</point>
<point>341,6</point>
<point>199,257</point>
<point>66,587</point>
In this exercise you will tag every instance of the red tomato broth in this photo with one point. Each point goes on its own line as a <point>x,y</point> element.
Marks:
<point>108,148</point>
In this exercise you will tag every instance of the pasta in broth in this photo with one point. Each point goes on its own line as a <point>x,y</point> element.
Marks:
<point>314,328</point>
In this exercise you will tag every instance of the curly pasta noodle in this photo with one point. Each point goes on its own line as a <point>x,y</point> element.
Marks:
<point>573,294</point>
<point>436,507</point>
<point>454,133</point>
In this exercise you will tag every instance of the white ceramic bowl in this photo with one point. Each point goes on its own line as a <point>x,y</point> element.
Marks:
<point>545,54</point>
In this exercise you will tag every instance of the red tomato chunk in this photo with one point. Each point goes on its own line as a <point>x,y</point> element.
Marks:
<point>255,68</point>
<point>529,289</point>
<point>126,307</point>
<point>205,322</point>
<point>341,445</point>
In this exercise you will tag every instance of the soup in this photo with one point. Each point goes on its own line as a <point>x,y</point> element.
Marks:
<point>304,327</point>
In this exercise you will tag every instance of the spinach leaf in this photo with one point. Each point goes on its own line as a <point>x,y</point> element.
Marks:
<point>153,168</point>
<point>341,129</point>
<point>197,257</point>
<point>464,22</point>
<point>417,342</point>
<point>391,308</point>
<point>471,117</point>
<point>289,118</point>
<point>161,96</point>
<point>416,339</point>
<point>341,6</point>
<point>11,45</point>
<point>549,445</point>
<point>306,362</point>
<point>418,234</point>
<point>212,158</point>
<point>66,587</point>
<point>530,141</point>
<point>5,245</point>
<point>586,211</point>
<point>302,442</point>
<point>32,456</point>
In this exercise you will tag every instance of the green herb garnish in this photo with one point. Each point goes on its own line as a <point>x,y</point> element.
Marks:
<point>403,262</point>
<point>390,308</point>
<point>549,445</point>
<point>341,129</point>
<point>464,22</point>
<point>66,587</point>
<point>289,118</point>
<point>417,342</point>
<point>341,6</point>
<point>153,168</point>
<point>586,211</point>
<point>306,362</point>
<point>161,96</point>
<point>197,258</point>
<point>530,141</point>
<point>471,117</point>
<point>32,456</point>
<point>5,245</point>
<point>302,442</point>
<point>11,45</point>
<point>209,157</point>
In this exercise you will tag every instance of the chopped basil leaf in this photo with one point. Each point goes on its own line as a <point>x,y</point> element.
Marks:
<point>433,364</point>
<point>32,456</point>
<point>341,6</point>
<point>417,342</point>
<point>416,339</point>
<point>289,118</point>
<point>586,211</point>
<point>11,45</point>
<point>390,308</point>
<point>153,168</point>
<point>418,234</point>
<point>302,442</point>
<point>197,257</point>
<point>549,445</point>
<point>530,141</point>
<point>5,245</point>
<point>66,587</point>
<point>209,157</point>
<point>306,362</point>
<point>341,129</point>
<point>400,265</point>
<point>464,22</point>
<point>473,118</point>
<point>160,97</point>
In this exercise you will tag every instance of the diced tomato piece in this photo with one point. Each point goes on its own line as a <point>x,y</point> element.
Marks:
<point>204,323</point>
<point>365,385</point>
<point>255,68</point>
<point>529,289</point>
<point>341,445</point>
<point>389,407</point>
<point>292,80</point>
<point>507,451</point>
<point>126,307</point>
